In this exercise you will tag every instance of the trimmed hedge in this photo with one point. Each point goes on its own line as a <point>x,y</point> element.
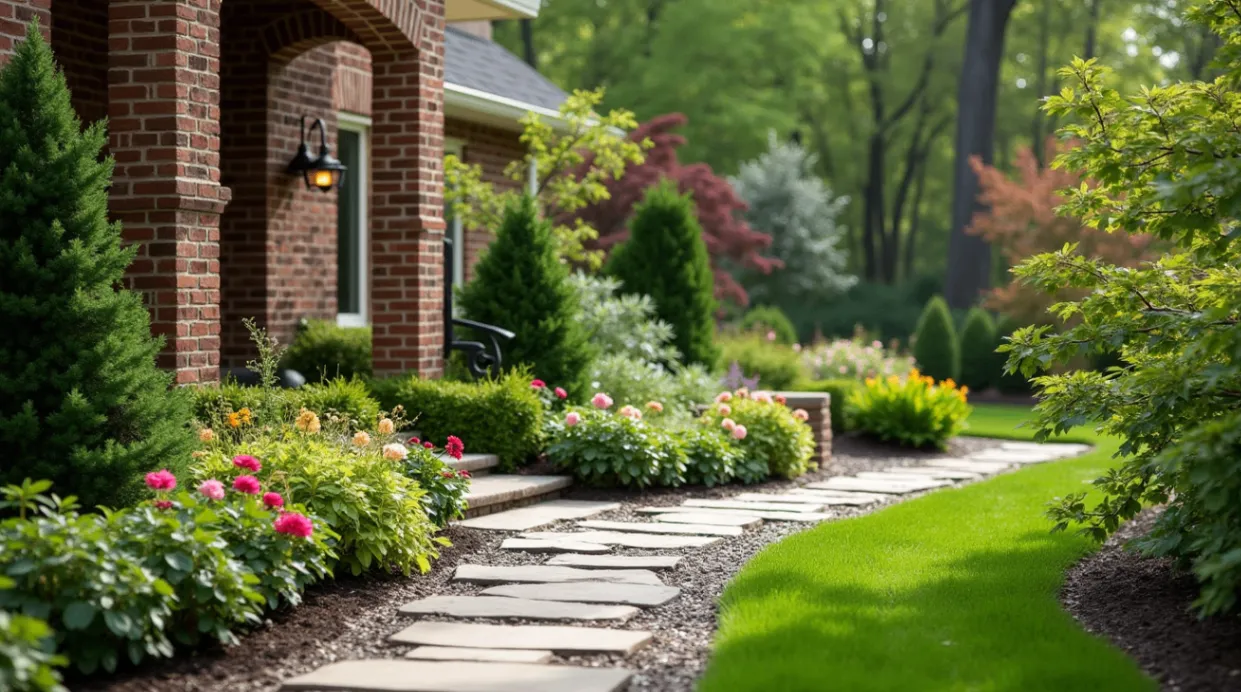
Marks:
<point>500,416</point>
<point>765,318</point>
<point>322,350</point>
<point>978,350</point>
<point>936,350</point>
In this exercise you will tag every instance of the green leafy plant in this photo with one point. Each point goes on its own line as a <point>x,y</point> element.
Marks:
<point>913,411</point>
<point>777,367</point>
<point>521,285</point>
<point>622,324</point>
<point>27,659</point>
<point>936,349</point>
<point>445,487</point>
<point>770,435</point>
<point>322,350</point>
<point>636,382</point>
<point>767,320</point>
<point>711,457</point>
<point>856,358</point>
<point>84,404</point>
<point>839,390</point>
<point>608,449</point>
<point>1007,381</point>
<point>978,350</point>
<point>665,258</point>
<point>348,398</point>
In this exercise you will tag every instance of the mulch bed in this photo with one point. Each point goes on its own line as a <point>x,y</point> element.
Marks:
<point>350,618</point>
<point>1142,605</point>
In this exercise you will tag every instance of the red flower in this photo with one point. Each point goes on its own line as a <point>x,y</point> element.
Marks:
<point>294,524</point>
<point>247,484</point>
<point>247,462</point>
<point>428,445</point>
<point>454,446</point>
<point>561,393</point>
<point>414,441</point>
<point>538,384</point>
<point>163,504</point>
<point>273,500</point>
<point>463,473</point>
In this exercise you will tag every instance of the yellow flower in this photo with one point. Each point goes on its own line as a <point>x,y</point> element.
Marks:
<point>914,374</point>
<point>950,384</point>
<point>361,439</point>
<point>206,435</point>
<point>386,427</point>
<point>234,420</point>
<point>965,390</point>
<point>870,382</point>
<point>245,416</point>
<point>307,421</point>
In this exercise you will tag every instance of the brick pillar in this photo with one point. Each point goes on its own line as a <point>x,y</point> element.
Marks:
<point>164,110</point>
<point>819,406</point>
<point>15,15</point>
<point>407,224</point>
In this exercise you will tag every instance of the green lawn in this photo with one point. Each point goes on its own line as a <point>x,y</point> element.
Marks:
<point>956,590</point>
<point>1002,420</point>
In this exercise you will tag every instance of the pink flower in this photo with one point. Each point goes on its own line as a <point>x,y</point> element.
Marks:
<point>414,441</point>
<point>877,343</point>
<point>796,348</point>
<point>771,335</point>
<point>655,406</point>
<point>163,504</point>
<point>572,418</point>
<point>427,445</point>
<point>739,432</point>
<point>630,412</point>
<point>538,384</point>
<point>247,462</point>
<point>212,489</point>
<point>743,393</point>
<point>728,424</point>
<point>723,396</point>
<point>247,484</point>
<point>396,451</point>
<point>448,474</point>
<point>161,480</point>
<point>725,409</point>
<point>273,500</point>
<point>801,415</point>
<point>843,369</point>
<point>294,524</point>
<point>463,473</point>
<point>762,397</point>
<point>780,399</point>
<point>601,401</point>
<point>561,393</point>
<point>454,446</point>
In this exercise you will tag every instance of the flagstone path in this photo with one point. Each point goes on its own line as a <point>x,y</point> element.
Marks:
<point>591,589</point>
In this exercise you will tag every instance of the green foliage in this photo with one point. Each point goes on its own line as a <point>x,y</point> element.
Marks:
<point>1008,382</point>
<point>840,391</point>
<point>1161,162</point>
<point>558,155</point>
<point>622,324</point>
<point>349,398</point>
<point>666,259</point>
<point>914,411</point>
<point>774,441</point>
<point>711,457</point>
<point>445,487</point>
<point>606,449</point>
<point>776,366</point>
<point>764,319</point>
<point>631,381</point>
<point>935,348</point>
<point>520,285</point>
<point>83,403</point>
<point>322,351</point>
<point>27,663</point>
<point>978,350</point>
<point>502,417</point>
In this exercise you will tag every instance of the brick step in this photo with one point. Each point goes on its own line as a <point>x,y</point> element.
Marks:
<point>493,493</point>
<point>477,464</point>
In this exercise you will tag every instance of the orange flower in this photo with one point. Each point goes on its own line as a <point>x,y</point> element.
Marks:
<point>206,435</point>
<point>307,421</point>
<point>245,416</point>
<point>234,420</point>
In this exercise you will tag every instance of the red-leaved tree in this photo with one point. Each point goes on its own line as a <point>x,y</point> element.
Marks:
<point>728,237</point>
<point>1022,221</point>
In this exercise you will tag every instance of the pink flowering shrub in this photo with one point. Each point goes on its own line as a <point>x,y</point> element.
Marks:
<point>854,359</point>
<point>609,448</point>
<point>771,436</point>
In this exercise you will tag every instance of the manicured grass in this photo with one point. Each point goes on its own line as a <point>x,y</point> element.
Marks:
<point>956,590</point>
<point>1005,421</point>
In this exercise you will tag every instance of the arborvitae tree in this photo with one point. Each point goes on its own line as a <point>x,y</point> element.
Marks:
<point>81,401</point>
<point>978,350</point>
<point>935,342</point>
<point>520,285</point>
<point>666,259</point>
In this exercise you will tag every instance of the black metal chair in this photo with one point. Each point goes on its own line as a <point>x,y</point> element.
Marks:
<point>480,358</point>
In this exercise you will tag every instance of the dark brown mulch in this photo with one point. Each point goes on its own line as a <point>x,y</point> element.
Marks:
<point>1141,605</point>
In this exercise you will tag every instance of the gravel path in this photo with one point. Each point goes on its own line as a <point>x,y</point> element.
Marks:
<point>351,618</point>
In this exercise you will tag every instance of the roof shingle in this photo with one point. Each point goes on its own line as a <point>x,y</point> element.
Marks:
<point>476,63</point>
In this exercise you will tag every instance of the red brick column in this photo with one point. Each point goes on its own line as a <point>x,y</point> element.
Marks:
<point>407,224</point>
<point>15,15</point>
<point>819,406</point>
<point>164,93</point>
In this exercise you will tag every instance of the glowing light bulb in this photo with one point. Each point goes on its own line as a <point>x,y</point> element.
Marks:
<point>323,179</point>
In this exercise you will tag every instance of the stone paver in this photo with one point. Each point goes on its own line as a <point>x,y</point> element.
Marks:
<point>492,490</point>
<point>842,497</point>
<point>932,474</point>
<point>616,561</point>
<point>628,540</point>
<point>555,638</point>
<point>1015,456</point>
<point>760,513</point>
<point>967,465</point>
<point>707,519</point>
<point>396,675</point>
<point>544,574</point>
<point>782,498</point>
<point>1060,449</point>
<point>489,607</point>
<point>684,529</point>
<point>531,545</point>
<point>645,595</point>
<point>526,518</point>
<point>451,653</point>
<point>896,486</point>
<point>756,506</point>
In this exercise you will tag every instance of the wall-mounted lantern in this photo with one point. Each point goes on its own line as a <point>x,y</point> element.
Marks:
<point>324,172</point>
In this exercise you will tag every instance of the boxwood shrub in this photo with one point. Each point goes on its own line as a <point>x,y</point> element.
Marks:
<point>322,351</point>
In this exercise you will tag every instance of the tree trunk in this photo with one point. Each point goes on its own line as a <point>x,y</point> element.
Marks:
<point>969,257</point>
<point>914,222</point>
<point>527,43</point>
<point>1040,84</point>
<point>1092,28</point>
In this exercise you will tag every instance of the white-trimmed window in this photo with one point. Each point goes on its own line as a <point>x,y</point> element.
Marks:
<point>352,225</point>
<point>456,233</point>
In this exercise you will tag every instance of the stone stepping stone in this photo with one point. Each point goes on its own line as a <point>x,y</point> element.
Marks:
<point>555,638</point>
<point>488,607</point>
<point>526,518</point>
<point>396,675</point>
<point>543,574</point>
<point>452,653</point>
<point>628,540</point>
<point>896,486</point>
<point>615,561</point>
<point>745,521</point>
<point>682,529</point>
<point>756,506</point>
<point>761,514</point>
<point>532,545</point>
<point>967,465</point>
<point>645,595</point>
<point>886,476</point>
<point>1013,456</point>
<point>781,499</point>
<point>925,472</point>
<point>1061,449</point>
<point>841,497</point>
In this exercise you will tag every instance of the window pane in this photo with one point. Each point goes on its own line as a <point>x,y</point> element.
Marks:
<point>349,226</point>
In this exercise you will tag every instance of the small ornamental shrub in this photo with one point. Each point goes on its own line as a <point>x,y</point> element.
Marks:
<point>711,456</point>
<point>27,661</point>
<point>620,323</point>
<point>348,398</point>
<point>321,350</point>
<point>81,400</point>
<point>607,449</point>
<point>935,348</point>
<point>768,322</point>
<point>635,382</point>
<point>775,366</point>
<point>521,285</point>
<point>978,350</point>
<point>840,391</point>
<point>912,411</point>
<point>853,359</point>
<point>502,416</point>
<point>445,487</point>
<point>766,431</point>
<point>666,258</point>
